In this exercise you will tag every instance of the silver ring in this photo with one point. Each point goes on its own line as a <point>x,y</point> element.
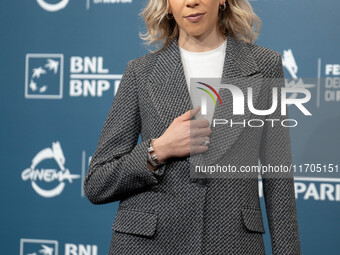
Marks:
<point>204,141</point>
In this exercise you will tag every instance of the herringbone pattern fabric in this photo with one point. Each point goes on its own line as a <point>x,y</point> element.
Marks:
<point>168,212</point>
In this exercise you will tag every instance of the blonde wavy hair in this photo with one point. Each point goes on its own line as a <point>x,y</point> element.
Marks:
<point>237,19</point>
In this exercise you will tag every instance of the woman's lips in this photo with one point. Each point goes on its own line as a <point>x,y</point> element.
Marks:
<point>195,18</point>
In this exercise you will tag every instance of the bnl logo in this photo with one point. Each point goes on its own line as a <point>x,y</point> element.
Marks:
<point>35,247</point>
<point>44,76</point>
<point>50,247</point>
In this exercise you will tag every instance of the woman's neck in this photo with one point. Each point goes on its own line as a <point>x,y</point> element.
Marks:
<point>200,43</point>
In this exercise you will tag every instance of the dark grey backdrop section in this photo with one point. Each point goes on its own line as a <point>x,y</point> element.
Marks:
<point>108,34</point>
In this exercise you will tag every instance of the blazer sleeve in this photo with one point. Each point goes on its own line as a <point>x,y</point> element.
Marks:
<point>118,168</point>
<point>278,188</point>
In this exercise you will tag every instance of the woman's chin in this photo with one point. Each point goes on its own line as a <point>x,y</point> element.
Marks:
<point>194,33</point>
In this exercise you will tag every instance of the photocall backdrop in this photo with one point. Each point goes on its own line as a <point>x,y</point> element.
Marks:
<point>61,63</point>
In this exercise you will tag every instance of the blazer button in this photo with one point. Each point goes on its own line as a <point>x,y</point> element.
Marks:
<point>202,181</point>
<point>192,180</point>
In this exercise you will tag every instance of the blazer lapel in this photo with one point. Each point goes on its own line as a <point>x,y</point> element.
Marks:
<point>170,95</point>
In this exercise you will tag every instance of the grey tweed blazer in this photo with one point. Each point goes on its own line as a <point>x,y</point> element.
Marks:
<point>167,211</point>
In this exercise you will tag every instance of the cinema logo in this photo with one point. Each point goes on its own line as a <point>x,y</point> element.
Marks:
<point>61,4</point>
<point>42,176</point>
<point>327,87</point>
<point>44,77</point>
<point>289,62</point>
<point>52,7</point>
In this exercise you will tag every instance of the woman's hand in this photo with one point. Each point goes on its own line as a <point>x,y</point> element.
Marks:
<point>183,137</point>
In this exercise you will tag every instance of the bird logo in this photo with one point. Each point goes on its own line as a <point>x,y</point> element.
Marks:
<point>51,65</point>
<point>46,250</point>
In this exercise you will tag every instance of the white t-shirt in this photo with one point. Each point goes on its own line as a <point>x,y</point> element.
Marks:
<point>207,64</point>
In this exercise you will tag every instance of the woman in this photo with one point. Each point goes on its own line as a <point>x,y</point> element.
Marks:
<point>163,210</point>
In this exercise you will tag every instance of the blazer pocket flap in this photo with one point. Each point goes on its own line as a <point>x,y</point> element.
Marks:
<point>135,222</point>
<point>252,219</point>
